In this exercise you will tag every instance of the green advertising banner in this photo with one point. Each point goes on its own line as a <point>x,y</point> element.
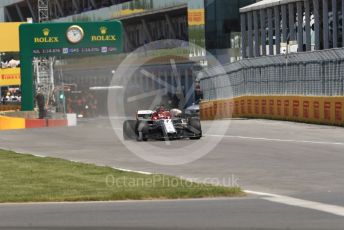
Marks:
<point>63,40</point>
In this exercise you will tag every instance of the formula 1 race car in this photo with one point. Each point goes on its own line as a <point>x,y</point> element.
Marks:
<point>162,124</point>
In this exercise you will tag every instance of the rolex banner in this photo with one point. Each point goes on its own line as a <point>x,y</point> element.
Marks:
<point>64,40</point>
<point>10,76</point>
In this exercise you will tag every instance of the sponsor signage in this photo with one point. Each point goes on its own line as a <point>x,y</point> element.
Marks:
<point>103,35</point>
<point>231,107</point>
<point>264,107</point>
<point>286,108</point>
<point>206,112</point>
<point>327,110</point>
<point>236,107</point>
<point>272,104</point>
<point>45,38</point>
<point>63,40</point>
<point>243,111</point>
<point>221,109</point>
<point>249,106</point>
<point>316,106</point>
<point>10,76</point>
<point>215,112</point>
<point>226,108</point>
<point>256,107</point>
<point>279,107</point>
<point>196,17</point>
<point>296,105</point>
<point>338,112</point>
<point>306,109</point>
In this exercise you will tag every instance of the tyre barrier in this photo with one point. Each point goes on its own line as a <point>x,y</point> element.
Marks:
<point>307,109</point>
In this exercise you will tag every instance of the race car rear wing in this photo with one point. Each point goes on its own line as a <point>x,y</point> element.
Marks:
<point>144,114</point>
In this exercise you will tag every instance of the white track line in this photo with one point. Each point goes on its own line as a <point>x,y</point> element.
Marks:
<point>133,171</point>
<point>120,169</point>
<point>36,155</point>
<point>277,140</point>
<point>333,209</point>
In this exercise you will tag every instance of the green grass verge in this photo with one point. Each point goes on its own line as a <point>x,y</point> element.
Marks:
<point>26,178</point>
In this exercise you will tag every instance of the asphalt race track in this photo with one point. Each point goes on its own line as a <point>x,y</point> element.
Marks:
<point>293,173</point>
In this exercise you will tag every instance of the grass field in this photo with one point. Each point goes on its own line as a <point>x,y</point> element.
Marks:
<point>26,178</point>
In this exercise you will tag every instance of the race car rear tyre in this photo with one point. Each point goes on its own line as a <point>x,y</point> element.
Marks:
<point>129,130</point>
<point>195,125</point>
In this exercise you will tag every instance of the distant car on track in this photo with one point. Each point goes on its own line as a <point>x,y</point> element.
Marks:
<point>162,124</point>
<point>193,110</point>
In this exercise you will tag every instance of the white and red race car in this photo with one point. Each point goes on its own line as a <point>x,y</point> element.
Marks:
<point>162,124</point>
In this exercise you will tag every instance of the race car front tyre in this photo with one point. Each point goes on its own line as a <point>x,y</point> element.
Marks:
<point>195,127</point>
<point>129,130</point>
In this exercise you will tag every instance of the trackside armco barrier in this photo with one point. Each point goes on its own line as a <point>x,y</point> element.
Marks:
<point>304,86</point>
<point>310,109</point>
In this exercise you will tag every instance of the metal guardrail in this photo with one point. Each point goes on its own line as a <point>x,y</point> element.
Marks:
<point>317,73</point>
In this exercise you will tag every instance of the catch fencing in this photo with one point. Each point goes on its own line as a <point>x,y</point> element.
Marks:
<point>317,73</point>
